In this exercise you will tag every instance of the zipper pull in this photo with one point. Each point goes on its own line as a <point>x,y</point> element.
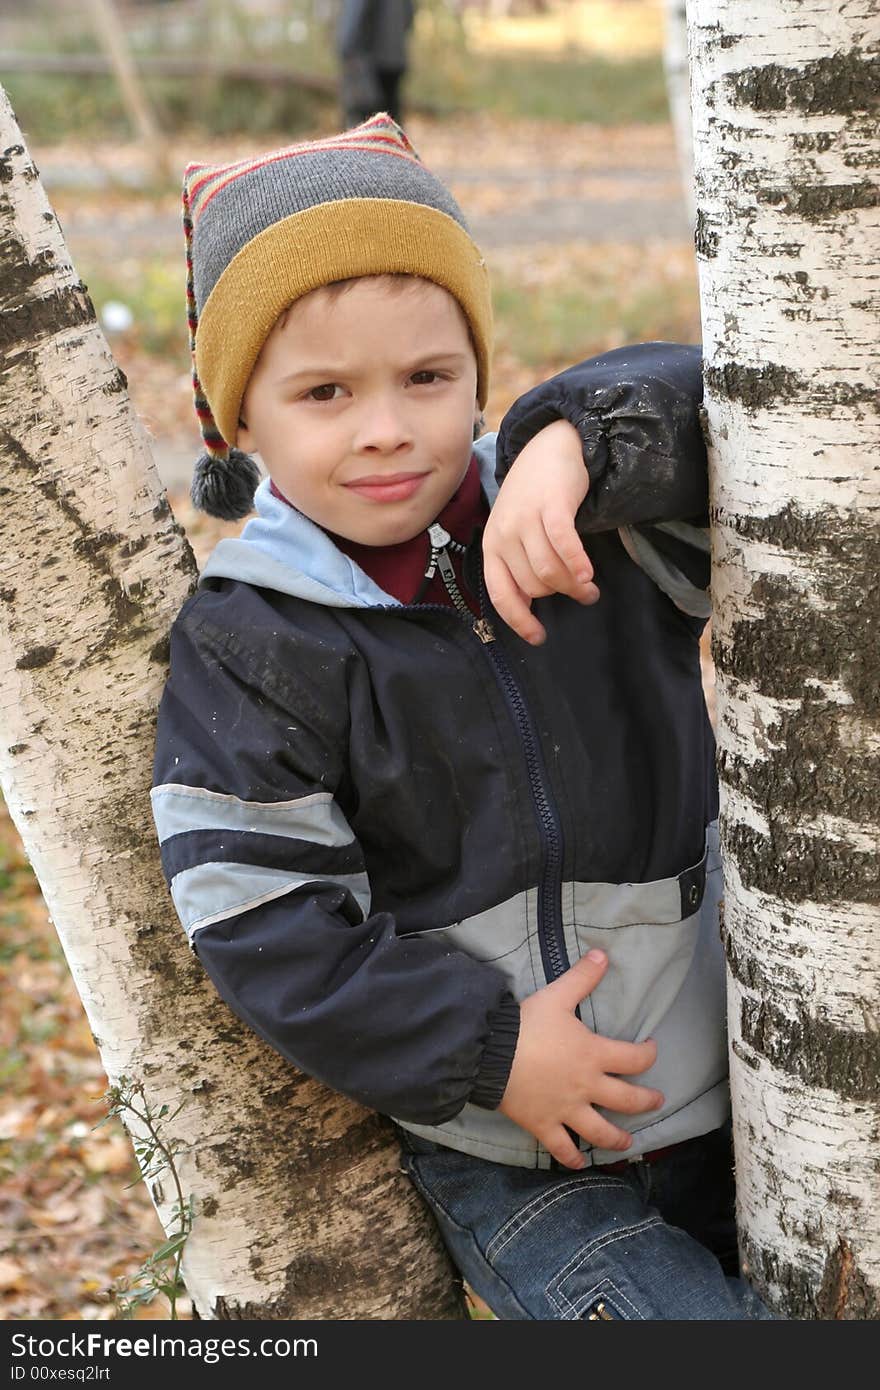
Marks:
<point>483,629</point>
<point>439,538</point>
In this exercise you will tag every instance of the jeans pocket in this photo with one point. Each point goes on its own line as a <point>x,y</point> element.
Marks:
<point>594,1285</point>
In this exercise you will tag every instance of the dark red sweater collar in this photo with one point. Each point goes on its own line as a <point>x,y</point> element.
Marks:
<point>399,569</point>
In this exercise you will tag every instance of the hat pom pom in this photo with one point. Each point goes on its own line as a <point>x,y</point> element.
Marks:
<point>225,487</point>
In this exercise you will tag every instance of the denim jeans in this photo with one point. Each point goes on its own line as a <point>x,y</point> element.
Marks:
<point>655,1240</point>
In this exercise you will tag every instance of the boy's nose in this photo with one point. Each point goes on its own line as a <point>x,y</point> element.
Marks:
<point>383,428</point>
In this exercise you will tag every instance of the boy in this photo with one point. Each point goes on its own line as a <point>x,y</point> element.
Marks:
<point>468,880</point>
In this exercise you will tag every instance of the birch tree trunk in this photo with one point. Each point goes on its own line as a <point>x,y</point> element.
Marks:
<point>678,92</point>
<point>301,1210</point>
<point>788,238</point>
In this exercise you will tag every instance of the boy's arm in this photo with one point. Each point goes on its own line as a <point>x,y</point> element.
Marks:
<point>636,411</point>
<point>612,443</point>
<point>271,885</point>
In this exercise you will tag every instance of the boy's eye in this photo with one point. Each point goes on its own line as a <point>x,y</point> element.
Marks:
<point>326,392</point>
<point>424,378</point>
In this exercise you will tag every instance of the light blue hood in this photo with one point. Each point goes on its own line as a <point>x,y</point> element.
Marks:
<point>282,549</point>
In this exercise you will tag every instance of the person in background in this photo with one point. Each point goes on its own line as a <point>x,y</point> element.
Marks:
<point>371,40</point>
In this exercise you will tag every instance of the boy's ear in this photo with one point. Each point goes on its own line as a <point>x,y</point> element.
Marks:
<point>244,440</point>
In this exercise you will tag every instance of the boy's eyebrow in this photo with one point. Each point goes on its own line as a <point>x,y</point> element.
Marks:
<point>329,373</point>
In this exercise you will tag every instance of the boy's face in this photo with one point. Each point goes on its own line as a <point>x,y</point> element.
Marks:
<point>362,406</point>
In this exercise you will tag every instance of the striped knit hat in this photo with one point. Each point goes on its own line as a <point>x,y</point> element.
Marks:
<point>263,232</point>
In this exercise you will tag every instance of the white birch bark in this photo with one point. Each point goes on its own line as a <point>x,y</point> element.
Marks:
<point>788,237</point>
<point>678,92</point>
<point>301,1210</point>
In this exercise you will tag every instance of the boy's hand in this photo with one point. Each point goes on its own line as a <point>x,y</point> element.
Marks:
<point>530,545</point>
<point>561,1070</point>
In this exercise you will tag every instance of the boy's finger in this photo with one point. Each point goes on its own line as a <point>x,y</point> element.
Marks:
<point>580,980</point>
<point>527,567</point>
<point>626,1098</point>
<point>540,571</point>
<point>509,601</point>
<point>598,1131</point>
<point>628,1059</point>
<point>567,544</point>
<point>561,1147</point>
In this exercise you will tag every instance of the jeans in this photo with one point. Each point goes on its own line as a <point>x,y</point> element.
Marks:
<point>655,1240</point>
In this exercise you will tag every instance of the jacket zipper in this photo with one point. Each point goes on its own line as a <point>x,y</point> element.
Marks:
<point>551,938</point>
<point>554,955</point>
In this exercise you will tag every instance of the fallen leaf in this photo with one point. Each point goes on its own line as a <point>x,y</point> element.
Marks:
<point>12,1274</point>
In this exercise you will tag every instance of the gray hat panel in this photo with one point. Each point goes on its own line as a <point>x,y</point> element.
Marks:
<point>276,190</point>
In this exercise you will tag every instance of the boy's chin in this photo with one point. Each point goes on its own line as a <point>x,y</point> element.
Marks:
<point>389,534</point>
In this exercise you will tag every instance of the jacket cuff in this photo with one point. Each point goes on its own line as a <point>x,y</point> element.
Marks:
<point>636,411</point>
<point>497,1059</point>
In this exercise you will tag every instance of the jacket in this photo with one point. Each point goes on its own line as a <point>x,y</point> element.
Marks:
<point>384,825</point>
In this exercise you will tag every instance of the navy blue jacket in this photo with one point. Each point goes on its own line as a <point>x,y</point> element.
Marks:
<point>382,830</point>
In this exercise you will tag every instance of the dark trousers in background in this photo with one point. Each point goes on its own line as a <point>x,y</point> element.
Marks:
<point>364,93</point>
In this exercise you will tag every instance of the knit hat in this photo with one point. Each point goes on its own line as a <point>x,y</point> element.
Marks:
<point>263,232</point>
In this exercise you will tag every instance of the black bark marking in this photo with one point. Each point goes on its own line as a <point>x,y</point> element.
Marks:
<point>20,273</point>
<point>843,1290</point>
<point>748,969</point>
<point>42,318</point>
<point>841,84</point>
<point>705,240</point>
<point>19,748</point>
<point>821,200</point>
<point>14,453</point>
<point>808,768</point>
<point>845,1293</point>
<point>92,547</point>
<point>160,652</point>
<point>818,142</point>
<point>803,868</point>
<point>117,383</point>
<point>8,595</point>
<point>35,658</point>
<point>796,1295</point>
<point>790,644</point>
<point>7,173</point>
<point>754,386</point>
<point>821,1054</point>
<point>799,282</point>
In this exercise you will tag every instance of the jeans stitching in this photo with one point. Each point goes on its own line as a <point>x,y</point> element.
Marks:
<point>562,1303</point>
<point>464,1231</point>
<point>539,1201</point>
<point>593,1247</point>
<point>536,1207</point>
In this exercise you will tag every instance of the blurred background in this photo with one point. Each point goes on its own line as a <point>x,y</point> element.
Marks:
<point>550,121</point>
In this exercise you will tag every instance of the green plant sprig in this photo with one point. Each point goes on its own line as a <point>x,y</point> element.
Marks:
<point>161,1270</point>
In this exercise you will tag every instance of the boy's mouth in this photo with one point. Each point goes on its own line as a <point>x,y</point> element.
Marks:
<point>391,487</point>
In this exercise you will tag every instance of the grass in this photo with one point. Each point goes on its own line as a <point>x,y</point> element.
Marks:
<point>570,320</point>
<point>579,87</point>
